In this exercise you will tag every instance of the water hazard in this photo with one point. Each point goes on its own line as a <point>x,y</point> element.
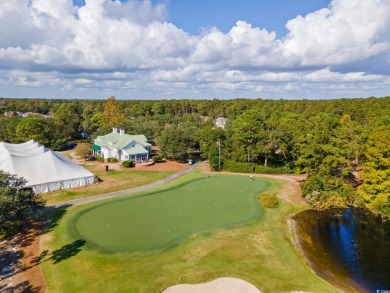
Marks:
<point>349,248</point>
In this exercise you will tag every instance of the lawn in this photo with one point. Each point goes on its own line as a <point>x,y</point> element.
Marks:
<point>237,240</point>
<point>113,180</point>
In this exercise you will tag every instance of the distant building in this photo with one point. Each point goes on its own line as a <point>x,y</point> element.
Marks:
<point>220,122</point>
<point>122,146</point>
<point>22,114</point>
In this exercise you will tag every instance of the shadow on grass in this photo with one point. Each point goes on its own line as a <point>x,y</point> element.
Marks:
<point>50,216</point>
<point>12,251</point>
<point>24,287</point>
<point>67,251</point>
<point>13,266</point>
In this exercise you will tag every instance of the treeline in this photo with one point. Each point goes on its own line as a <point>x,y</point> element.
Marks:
<point>342,144</point>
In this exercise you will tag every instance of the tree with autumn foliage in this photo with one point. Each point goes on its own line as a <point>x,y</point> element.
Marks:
<point>113,112</point>
<point>375,189</point>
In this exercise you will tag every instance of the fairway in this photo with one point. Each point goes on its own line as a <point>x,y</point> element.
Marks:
<point>161,219</point>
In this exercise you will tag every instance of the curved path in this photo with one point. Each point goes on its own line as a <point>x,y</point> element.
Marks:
<point>126,191</point>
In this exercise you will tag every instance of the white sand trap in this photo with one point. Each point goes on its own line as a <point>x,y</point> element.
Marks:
<point>221,285</point>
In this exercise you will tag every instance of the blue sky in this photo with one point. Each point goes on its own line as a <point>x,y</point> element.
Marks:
<point>150,49</point>
<point>194,16</point>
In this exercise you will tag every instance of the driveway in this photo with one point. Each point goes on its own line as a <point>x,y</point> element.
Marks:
<point>126,191</point>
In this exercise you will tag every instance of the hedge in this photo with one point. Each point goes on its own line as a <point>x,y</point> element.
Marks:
<point>157,158</point>
<point>128,164</point>
<point>240,167</point>
<point>100,158</point>
<point>112,160</point>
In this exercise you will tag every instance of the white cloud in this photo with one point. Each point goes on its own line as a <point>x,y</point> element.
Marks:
<point>130,47</point>
<point>325,75</point>
<point>348,30</point>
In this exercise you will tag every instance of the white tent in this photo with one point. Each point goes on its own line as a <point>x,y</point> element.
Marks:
<point>43,169</point>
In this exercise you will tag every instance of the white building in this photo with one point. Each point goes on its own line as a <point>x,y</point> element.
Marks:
<point>220,122</point>
<point>122,146</point>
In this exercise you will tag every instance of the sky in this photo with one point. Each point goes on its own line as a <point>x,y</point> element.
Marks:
<point>194,49</point>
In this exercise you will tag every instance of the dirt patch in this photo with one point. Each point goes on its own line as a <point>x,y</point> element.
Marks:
<point>164,166</point>
<point>167,165</point>
<point>19,258</point>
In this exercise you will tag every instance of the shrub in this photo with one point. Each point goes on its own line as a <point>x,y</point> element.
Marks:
<point>269,201</point>
<point>128,164</point>
<point>112,160</point>
<point>100,158</point>
<point>157,158</point>
<point>240,167</point>
<point>83,150</point>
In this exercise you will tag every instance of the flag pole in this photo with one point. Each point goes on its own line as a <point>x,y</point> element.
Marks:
<point>219,155</point>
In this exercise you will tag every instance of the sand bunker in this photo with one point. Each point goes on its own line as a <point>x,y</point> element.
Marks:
<point>221,285</point>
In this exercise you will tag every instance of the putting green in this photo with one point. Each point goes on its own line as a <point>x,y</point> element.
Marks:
<point>161,219</point>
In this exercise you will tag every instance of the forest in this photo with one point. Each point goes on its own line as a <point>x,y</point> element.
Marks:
<point>342,144</point>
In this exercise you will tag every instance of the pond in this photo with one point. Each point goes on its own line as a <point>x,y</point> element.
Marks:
<point>348,248</point>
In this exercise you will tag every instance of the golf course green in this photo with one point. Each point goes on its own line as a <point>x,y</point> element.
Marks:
<point>160,219</point>
<point>191,230</point>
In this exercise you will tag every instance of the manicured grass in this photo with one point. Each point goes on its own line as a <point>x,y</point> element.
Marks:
<point>161,219</point>
<point>259,252</point>
<point>113,180</point>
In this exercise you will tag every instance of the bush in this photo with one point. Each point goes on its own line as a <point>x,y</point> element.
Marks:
<point>83,150</point>
<point>158,158</point>
<point>128,164</point>
<point>240,167</point>
<point>100,158</point>
<point>269,201</point>
<point>112,160</point>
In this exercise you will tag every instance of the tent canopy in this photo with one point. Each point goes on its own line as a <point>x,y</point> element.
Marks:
<point>43,169</point>
<point>96,147</point>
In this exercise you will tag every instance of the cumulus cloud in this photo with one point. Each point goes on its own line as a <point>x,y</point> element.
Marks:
<point>128,46</point>
<point>346,31</point>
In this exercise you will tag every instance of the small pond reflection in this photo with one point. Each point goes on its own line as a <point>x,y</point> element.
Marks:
<point>349,248</point>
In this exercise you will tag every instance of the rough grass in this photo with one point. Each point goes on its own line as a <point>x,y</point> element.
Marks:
<point>260,253</point>
<point>111,181</point>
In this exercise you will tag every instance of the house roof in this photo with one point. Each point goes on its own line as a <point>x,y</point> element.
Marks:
<point>220,122</point>
<point>120,141</point>
<point>137,150</point>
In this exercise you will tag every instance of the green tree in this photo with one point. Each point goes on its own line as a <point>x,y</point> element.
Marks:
<point>208,136</point>
<point>3,128</point>
<point>171,142</point>
<point>34,127</point>
<point>67,121</point>
<point>249,141</point>
<point>15,201</point>
<point>11,130</point>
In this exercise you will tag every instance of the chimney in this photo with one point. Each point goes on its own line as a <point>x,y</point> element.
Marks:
<point>114,130</point>
<point>121,131</point>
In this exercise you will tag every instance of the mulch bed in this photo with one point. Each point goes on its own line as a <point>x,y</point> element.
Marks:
<point>19,259</point>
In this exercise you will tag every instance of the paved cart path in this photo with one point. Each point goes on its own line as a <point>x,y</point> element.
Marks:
<point>126,191</point>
